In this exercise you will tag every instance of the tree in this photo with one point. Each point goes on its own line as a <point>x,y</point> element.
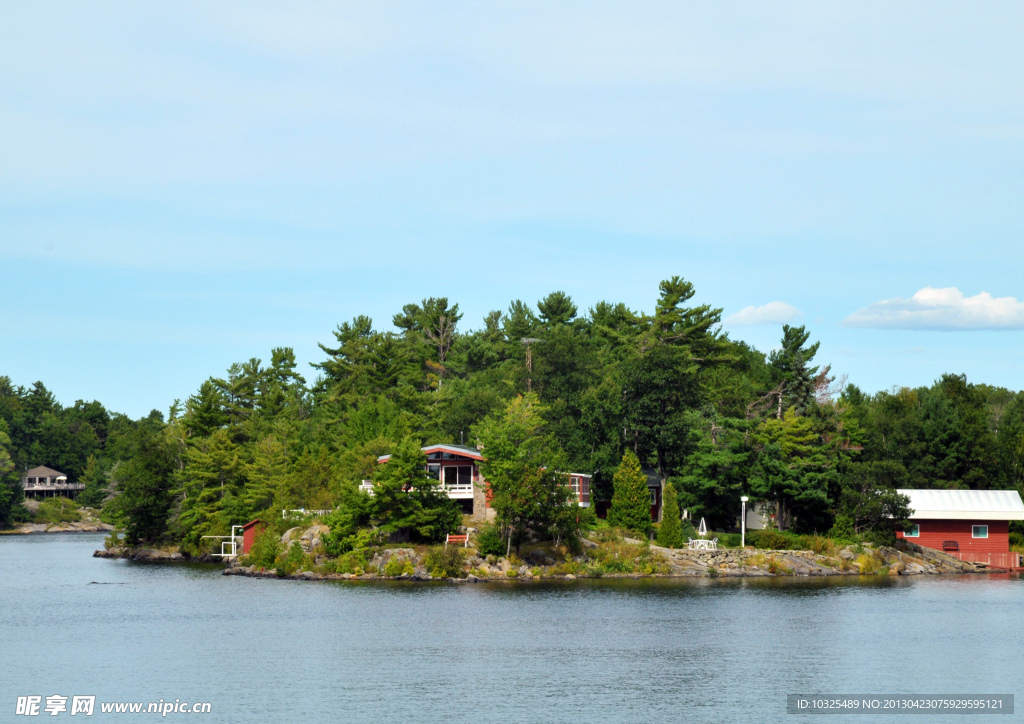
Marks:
<point>11,508</point>
<point>523,468</point>
<point>791,363</point>
<point>556,308</point>
<point>409,503</point>
<point>145,483</point>
<point>660,391</point>
<point>437,322</point>
<point>631,501</point>
<point>793,470</point>
<point>715,476</point>
<point>870,498</point>
<point>670,532</point>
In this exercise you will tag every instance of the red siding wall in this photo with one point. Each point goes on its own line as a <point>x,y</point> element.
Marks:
<point>935,532</point>
<point>249,535</point>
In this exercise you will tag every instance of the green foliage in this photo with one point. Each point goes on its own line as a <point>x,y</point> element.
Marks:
<point>776,540</point>
<point>528,492</point>
<point>631,502</point>
<point>405,500</point>
<point>670,532</point>
<point>842,529</point>
<point>57,510</point>
<point>397,566</point>
<point>489,541</point>
<point>266,547</point>
<point>445,561</point>
<point>291,561</point>
<point>714,416</point>
<point>869,498</point>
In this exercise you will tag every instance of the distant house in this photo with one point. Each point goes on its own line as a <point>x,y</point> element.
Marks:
<point>972,525</point>
<point>457,469</point>
<point>44,482</point>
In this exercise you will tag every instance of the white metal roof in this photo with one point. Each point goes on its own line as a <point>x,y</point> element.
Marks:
<point>965,504</point>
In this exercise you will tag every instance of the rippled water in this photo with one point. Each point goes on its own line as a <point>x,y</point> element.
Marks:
<point>585,651</point>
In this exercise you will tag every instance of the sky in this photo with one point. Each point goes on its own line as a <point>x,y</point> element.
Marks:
<point>186,185</point>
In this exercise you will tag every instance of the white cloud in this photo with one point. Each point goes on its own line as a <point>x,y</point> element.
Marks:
<point>941,309</point>
<point>770,313</point>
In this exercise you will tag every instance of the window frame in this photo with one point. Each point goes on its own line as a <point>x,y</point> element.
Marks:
<point>974,529</point>
<point>914,532</point>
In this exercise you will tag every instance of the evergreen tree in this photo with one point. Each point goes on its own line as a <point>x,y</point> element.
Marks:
<point>670,532</point>
<point>556,308</point>
<point>11,508</point>
<point>631,501</point>
<point>408,502</point>
<point>522,468</point>
<point>791,364</point>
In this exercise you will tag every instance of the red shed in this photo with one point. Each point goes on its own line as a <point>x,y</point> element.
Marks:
<point>249,531</point>
<point>972,525</point>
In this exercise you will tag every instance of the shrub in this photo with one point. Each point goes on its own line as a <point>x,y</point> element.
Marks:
<point>113,540</point>
<point>587,518</point>
<point>489,541</point>
<point>397,566</point>
<point>58,510</point>
<point>775,540</point>
<point>1016,540</point>
<point>444,561</point>
<point>870,562</point>
<point>728,540</point>
<point>292,561</point>
<point>631,500</point>
<point>670,532</point>
<point>819,544</point>
<point>778,568</point>
<point>351,562</point>
<point>842,529</point>
<point>265,549</point>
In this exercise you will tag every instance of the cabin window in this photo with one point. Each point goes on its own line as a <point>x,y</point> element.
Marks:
<point>575,486</point>
<point>449,456</point>
<point>914,532</point>
<point>654,495</point>
<point>434,472</point>
<point>434,456</point>
<point>461,475</point>
<point>979,531</point>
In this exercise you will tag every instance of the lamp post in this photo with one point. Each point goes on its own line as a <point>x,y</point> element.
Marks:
<point>743,521</point>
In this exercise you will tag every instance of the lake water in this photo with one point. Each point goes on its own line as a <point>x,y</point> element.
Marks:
<point>586,651</point>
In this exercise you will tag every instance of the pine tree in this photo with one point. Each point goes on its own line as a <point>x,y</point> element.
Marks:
<point>670,532</point>
<point>631,501</point>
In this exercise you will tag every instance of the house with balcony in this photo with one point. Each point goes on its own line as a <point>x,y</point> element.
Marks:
<point>456,468</point>
<point>44,482</point>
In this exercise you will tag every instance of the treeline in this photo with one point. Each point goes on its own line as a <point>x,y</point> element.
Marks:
<point>712,415</point>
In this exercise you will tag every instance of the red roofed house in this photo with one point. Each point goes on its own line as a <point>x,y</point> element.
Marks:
<point>972,525</point>
<point>457,469</point>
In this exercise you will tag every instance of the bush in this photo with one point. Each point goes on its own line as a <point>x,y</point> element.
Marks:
<point>842,529</point>
<point>353,562</point>
<point>775,540</point>
<point>489,541</point>
<point>587,518</point>
<point>444,561</point>
<point>397,566</point>
<point>670,532</point>
<point>870,562</point>
<point>292,561</point>
<point>265,549</point>
<point>1016,540</point>
<point>57,510</point>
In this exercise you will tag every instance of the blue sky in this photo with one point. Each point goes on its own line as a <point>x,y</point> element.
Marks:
<point>186,186</point>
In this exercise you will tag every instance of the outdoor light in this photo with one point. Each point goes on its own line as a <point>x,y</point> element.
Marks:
<point>743,521</point>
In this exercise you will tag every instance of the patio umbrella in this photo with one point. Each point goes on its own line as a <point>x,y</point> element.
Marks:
<point>703,530</point>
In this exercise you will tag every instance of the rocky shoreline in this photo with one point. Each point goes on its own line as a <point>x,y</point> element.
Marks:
<point>909,560</point>
<point>651,561</point>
